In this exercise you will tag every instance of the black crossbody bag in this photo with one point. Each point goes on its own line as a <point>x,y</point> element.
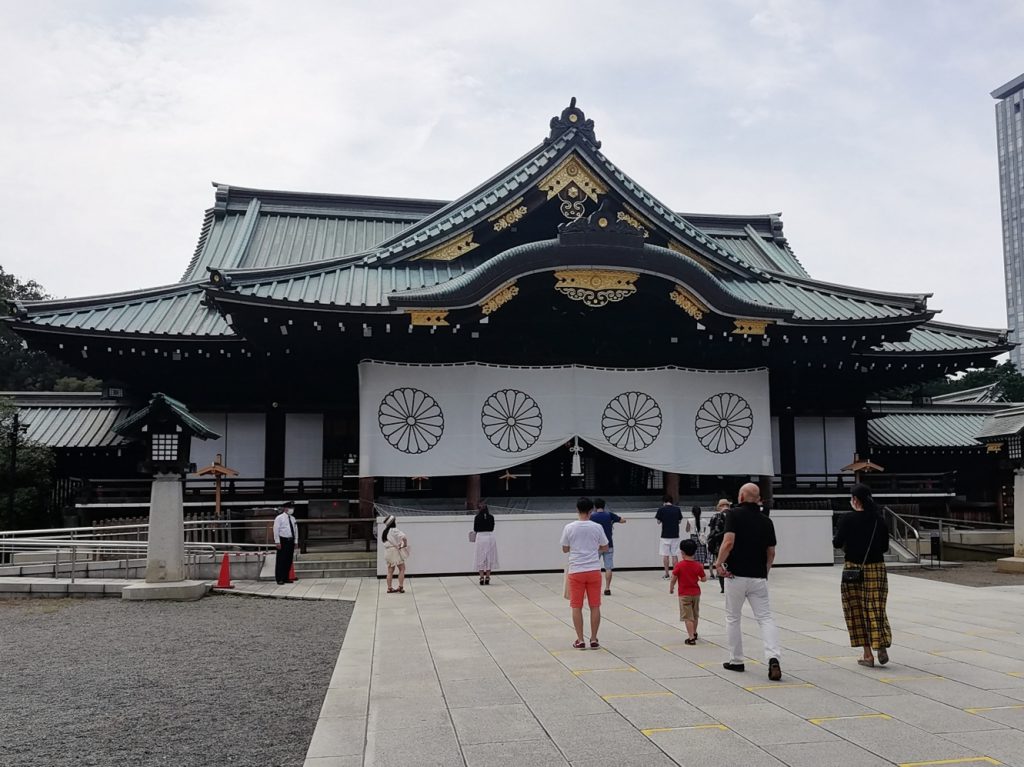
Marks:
<point>856,574</point>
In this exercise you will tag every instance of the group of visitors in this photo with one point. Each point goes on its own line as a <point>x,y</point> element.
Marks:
<point>739,546</point>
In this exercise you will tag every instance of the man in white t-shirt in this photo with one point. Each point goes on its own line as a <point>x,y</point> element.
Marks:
<point>584,541</point>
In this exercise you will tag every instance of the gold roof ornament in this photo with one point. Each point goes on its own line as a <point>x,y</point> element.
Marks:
<point>748,327</point>
<point>596,287</point>
<point>428,317</point>
<point>499,298</point>
<point>452,249</point>
<point>688,302</point>
<point>509,216</point>
<point>571,174</point>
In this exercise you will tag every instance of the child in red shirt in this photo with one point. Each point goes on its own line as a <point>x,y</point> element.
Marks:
<point>688,572</point>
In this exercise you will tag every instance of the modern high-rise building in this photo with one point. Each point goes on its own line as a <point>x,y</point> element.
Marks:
<point>1010,138</point>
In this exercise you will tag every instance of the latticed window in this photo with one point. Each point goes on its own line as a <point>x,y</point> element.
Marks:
<point>165,447</point>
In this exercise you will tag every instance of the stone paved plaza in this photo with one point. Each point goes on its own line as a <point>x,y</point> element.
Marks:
<point>452,673</point>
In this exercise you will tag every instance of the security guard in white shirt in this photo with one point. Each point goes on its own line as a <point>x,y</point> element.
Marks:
<point>286,535</point>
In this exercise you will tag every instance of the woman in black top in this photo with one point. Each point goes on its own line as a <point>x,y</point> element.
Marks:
<point>486,552</point>
<point>864,538</point>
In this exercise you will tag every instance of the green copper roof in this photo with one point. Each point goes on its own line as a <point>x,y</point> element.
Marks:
<point>933,430</point>
<point>69,420</point>
<point>163,407</point>
<point>940,337</point>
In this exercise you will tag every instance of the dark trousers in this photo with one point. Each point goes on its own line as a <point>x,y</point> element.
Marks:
<point>285,557</point>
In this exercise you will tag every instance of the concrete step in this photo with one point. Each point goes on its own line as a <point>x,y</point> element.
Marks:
<point>332,564</point>
<point>368,572</point>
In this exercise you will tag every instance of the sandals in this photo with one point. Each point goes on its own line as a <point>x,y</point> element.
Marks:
<point>487,581</point>
<point>883,656</point>
<point>579,645</point>
<point>690,640</point>
<point>392,591</point>
<point>866,662</point>
<point>401,589</point>
<point>593,644</point>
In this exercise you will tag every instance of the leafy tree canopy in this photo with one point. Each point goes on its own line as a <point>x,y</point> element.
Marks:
<point>1008,380</point>
<point>24,369</point>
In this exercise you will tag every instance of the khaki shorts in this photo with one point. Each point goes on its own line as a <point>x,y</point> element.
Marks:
<point>689,608</point>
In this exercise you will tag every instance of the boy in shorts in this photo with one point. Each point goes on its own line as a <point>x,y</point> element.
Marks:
<point>688,573</point>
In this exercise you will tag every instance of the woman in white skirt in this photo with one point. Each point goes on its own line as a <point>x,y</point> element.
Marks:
<point>396,551</point>
<point>485,556</point>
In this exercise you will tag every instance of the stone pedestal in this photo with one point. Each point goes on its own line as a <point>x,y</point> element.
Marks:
<point>180,591</point>
<point>165,558</point>
<point>1015,564</point>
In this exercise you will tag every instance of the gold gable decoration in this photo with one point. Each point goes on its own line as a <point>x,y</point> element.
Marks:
<point>688,302</point>
<point>595,287</point>
<point>499,298</point>
<point>428,317</point>
<point>510,216</point>
<point>689,253</point>
<point>452,249</point>
<point>633,218</point>
<point>748,327</point>
<point>572,183</point>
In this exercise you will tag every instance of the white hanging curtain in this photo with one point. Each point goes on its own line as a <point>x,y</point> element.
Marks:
<point>472,418</point>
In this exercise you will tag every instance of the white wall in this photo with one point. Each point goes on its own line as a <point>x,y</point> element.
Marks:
<point>823,445</point>
<point>439,544</point>
<point>242,443</point>
<point>304,445</point>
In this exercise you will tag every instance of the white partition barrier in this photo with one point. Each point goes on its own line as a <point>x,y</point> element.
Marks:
<point>529,542</point>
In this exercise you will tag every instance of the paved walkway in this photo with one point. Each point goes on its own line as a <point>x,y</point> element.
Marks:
<point>452,673</point>
<point>306,588</point>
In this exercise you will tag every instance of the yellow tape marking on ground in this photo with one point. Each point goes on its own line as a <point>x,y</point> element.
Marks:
<point>949,652</point>
<point>776,686</point>
<point>713,664</point>
<point>653,730</point>
<point>834,657</point>
<point>966,760</point>
<point>578,671</point>
<point>821,719</point>
<point>574,650</point>
<point>894,679</point>
<point>990,708</point>
<point>634,695</point>
<point>1017,674</point>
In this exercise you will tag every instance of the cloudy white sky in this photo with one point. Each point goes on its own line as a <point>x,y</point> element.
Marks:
<point>868,124</point>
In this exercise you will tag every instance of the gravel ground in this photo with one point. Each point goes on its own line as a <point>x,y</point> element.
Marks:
<point>227,680</point>
<point>965,574</point>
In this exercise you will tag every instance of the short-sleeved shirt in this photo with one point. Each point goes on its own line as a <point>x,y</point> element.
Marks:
<point>670,516</point>
<point>606,519</point>
<point>754,534</point>
<point>583,539</point>
<point>688,571</point>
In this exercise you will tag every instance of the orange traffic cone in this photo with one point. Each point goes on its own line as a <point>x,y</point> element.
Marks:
<point>291,573</point>
<point>224,581</point>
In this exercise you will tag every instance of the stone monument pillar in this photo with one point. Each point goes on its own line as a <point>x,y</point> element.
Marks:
<point>165,555</point>
<point>1015,564</point>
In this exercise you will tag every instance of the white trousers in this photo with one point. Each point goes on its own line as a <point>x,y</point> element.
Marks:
<point>755,591</point>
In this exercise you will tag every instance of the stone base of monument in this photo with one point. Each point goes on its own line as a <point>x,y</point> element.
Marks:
<point>180,591</point>
<point>1010,565</point>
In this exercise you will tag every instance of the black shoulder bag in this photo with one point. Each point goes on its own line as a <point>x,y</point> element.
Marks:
<point>856,574</point>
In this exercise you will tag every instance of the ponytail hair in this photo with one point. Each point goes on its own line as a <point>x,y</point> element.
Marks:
<point>389,523</point>
<point>862,493</point>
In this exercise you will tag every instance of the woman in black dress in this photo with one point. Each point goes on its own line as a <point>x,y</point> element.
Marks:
<point>485,556</point>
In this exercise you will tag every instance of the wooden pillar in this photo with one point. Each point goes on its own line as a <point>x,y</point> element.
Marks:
<point>472,491</point>
<point>764,483</point>
<point>672,485</point>
<point>366,497</point>
<point>787,449</point>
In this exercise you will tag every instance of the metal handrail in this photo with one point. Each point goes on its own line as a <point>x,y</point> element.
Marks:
<point>961,523</point>
<point>903,530</point>
<point>122,547</point>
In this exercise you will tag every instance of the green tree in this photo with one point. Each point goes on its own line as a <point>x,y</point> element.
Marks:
<point>33,476</point>
<point>24,369</point>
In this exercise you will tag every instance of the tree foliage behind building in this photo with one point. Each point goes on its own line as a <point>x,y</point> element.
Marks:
<point>24,369</point>
<point>32,479</point>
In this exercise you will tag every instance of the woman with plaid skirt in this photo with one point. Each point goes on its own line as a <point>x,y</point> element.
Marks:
<point>864,538</point>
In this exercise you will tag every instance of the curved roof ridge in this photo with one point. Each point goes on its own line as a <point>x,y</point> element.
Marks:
<point>127,296</point>
<point>916,300</point>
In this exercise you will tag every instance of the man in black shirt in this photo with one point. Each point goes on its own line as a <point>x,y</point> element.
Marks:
<point>669,516</point>
<point>744,558</point>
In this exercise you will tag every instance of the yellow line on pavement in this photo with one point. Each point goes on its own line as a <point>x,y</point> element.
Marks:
<point>634,695</point>
<point>894,679</point>
<point>776,686</point>
<point>578,671</point>
<point>574,650</point>
<point>821,719</point>
<point>1017,674</point>
<point>965,760</point>
<point>990,708</point>
<point>950,652</point>
<point>719,665</point>
<point>653,730</point>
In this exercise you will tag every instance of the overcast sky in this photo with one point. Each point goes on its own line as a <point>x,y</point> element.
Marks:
<point>867,124</point>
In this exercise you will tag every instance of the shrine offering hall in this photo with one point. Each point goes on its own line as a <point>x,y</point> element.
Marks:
<point>555,330</point>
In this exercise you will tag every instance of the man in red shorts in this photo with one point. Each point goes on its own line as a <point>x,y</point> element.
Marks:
<point>584,541</point>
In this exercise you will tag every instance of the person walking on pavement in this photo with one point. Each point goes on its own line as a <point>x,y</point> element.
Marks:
<point>669,516</point>
<point>744,560</point>
<point>607,520</point>
<point>286,535</point>
<point>584,541</point>
<point>716,532</point>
